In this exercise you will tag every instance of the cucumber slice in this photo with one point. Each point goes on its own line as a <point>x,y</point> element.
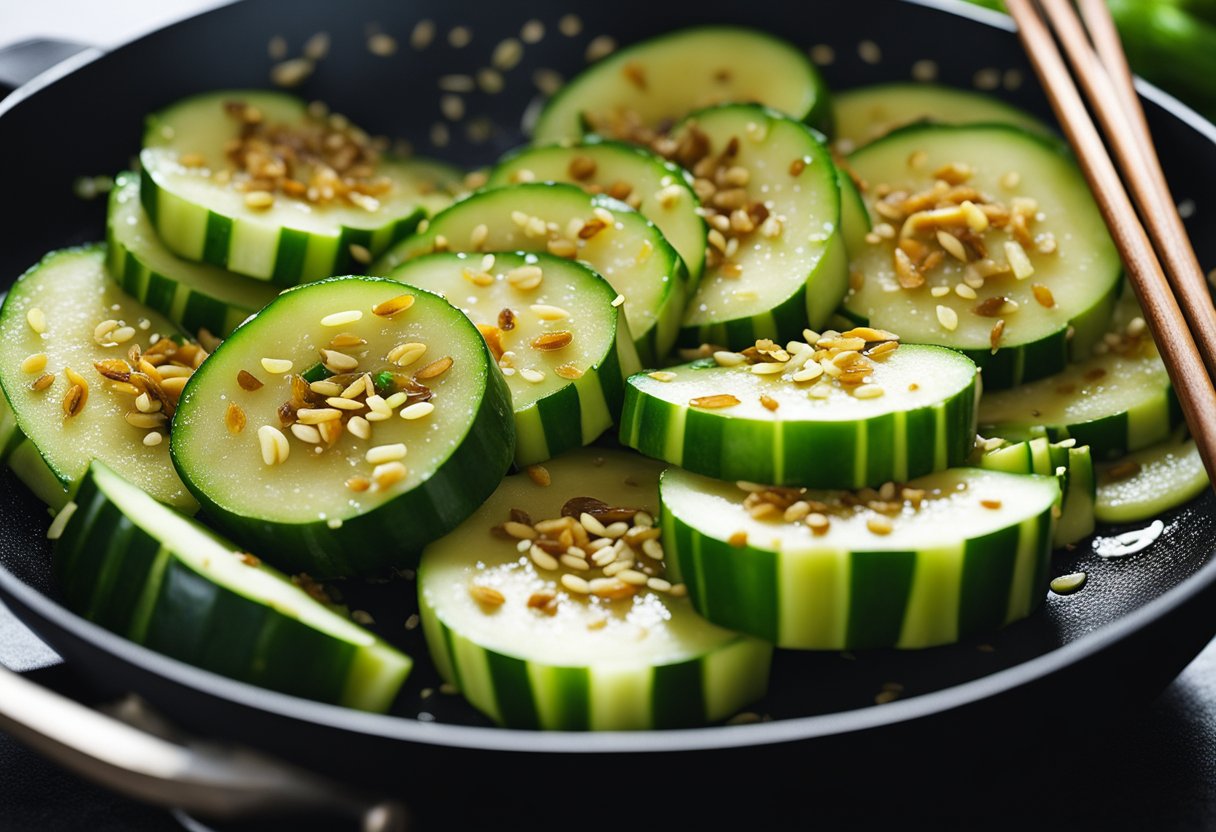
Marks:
<point>854,216</point>
<point>818,433</point>
<point>345,499</point>
<point>627,250</point>
<point>578,392</point>
<point>166,582</point>
<point>200,211</point>
<point>946,570</point>
<point>1078,281</point>
<point>193,295</point>
<point>785,268</point>
<point>69,294</point>
<point>865,114</point>
<point>1073,466</point>
<point>1116,402</point>
<point>1151,481</point>
<point>661,191</point>
<point>659,81</point>
<point>553,657</point>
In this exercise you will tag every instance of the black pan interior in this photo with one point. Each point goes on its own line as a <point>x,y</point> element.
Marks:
<point>89,122</point>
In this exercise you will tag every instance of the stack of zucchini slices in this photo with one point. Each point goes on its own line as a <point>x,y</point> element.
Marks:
<point>346,370</point>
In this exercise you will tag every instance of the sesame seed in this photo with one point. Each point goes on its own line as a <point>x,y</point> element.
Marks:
<point>549,313</point>
<point>1043,295</point>
<point>600,47</point>
<point>343,404</point>
<point>435,369</point>
<point>277,366</point>
<point>525,277</point>
<point>334,361</point>
<point>1018,261</point>
<point>486,596</point>
<point>947,317</point>
<point>575,584</point>
<point>35,363</point>
<point>153,438</point>
<point>868,391</point>
<point>306,433</point>
<point>259,199</point>
<point>417,410</point>
<point>952,245</point>
<point>991,504</point>
<point>539,474</point>
<point>388,474</point>
<point>542,558</point>
<point>618,300</point>
<point>42,382</point>
<point>403,355</point>
<point>1010,180</point>
<point>507,54</point>
<point>878,524</point>
<point>662,375</point>
<point>36,319</point>
<point>342,318</point>
<point>965,291</point>
<point>533,376</point>
<point>385,453</point>
<point>315,416</point>
<point>422,35</point>
<point>769,368</point>
<point>273,445</point>
<point>738,539</point>
<point>459,37</point>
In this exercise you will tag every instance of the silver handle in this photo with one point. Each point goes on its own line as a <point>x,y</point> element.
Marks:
<point>211,779</point>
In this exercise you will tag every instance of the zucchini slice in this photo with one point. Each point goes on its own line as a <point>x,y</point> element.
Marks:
<point>193,295</point>
<point>949,555</point>
<point>1040,280</point>
<point>566,391</point>
<point>779,415</point>
<point>283,206</point>
<point>635,92</point>
<point>66,336</point>
<point>855,222</point>
<point>1151,481</point>
<point>777,261</point>
<point>865,114</point>
<point>1116,402</point>
<point>1074,466</point>
<point>316,477</point>
<point>534,642</point>
<point>661,191</point>
<point>606,234</point>
<point>144,571</point>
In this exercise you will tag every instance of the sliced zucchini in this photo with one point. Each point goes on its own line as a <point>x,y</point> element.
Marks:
<point>193,295</point>
<point>63,324</point>
<point>568,390</point>
<point>854,216</point>
<point>1038,285</point>
<point>144,571</point>
<point>619,243</point>
<point>865,114</point>
<point>316,477</point>
<point>1073,466</point>
<point>1115,402</point>
<point>1150,482</point>
<point>757,416</point>
<point>534,642</point>
<point>949,555</point>
<point>777,262</point>
<point>638,90</point>
<point>284,206</point>
<point>661,191</point>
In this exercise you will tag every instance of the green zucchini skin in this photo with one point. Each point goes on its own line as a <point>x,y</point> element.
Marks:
<point>579,412</point>
<point>117,573</point>
<point>833,599</point>
<point>894,446</point>
<point>1067,460</point>
<point>219,306</point>
<point>390,534</point>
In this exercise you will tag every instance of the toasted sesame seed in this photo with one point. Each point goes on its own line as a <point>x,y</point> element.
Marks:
<point>507,54</point>
<point>738,539</point>
<point>532,376</point>
<point>259,199</point>
<point>344,404</point>
<point>334,361</point>
<point>277,366</point>
<point>42,382</point>
<point>878,524</point>
<point>568,371</point>
<point>315,416</point>
<point>1043,295</point>
<point>306,433</point>
<point>273,445</point>
<point>248,381</point>
<point>145,421</point>
<point>542,558</point>
<point>716,401</point>
<point>403,355</point>
<point>435,369</point>
<point>768,368</point>
<point>486,596</point>
<point>769,402</point>
<point>153,438</point>
<point>325,388</point>
<point>991,504</point>
<point>539,474</point>
<point>868,391</point>
<point>1018,261</point>
<point>422,34</point>
<point>35,363</point>
<point>388,474</point>
<point>525,277</point>
<point>349,316</point>
<point>600,47</point>
<point>1010,180</point>
<point>575,584</point>
<point>662,375</point>
<point>360,254</point>
<point>36,319</point>
<point>549,313</point>
<point>947,317</point>
<point>952,245</point>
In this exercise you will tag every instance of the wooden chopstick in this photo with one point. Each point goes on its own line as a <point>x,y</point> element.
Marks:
<point>1108,85</point>
<point>1187,371</point>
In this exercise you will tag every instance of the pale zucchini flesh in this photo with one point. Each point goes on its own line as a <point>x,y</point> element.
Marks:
<point>648,661</point>
<point>71,290</point>
<point>1151,481</point>
<point>563,398</point>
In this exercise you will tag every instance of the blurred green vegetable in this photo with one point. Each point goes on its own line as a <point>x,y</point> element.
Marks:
<point>1171,43</point>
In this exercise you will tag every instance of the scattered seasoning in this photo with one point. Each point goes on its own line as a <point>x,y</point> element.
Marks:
<point>42,382</point>
<point>738,539</point>
<point>234,418</point>
<point>248,381</point>
<point>1068,584</point>
<point>991,504</point>
<point>434,369</point>
<point>36,319</point>
<point>717,401</point>
<point>277,366</point>
<point>539,474</point>
<point>393,306</point>
<point>486,596</point>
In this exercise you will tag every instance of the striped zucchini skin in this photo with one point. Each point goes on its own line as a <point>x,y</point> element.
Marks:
<point>239,243</point>
<point>519,693</point>
<point>190,306</point>
<point>825,598</point>
<point>579,412</point>
<point>1067,460</point>
<point>894,446</point>
<point>117,571</point>
<point>23,459</point>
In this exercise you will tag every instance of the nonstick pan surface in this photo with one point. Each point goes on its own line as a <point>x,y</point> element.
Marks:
<point>1138,621</point>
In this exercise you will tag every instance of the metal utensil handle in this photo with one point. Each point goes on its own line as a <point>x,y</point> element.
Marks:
<point>220,781</point>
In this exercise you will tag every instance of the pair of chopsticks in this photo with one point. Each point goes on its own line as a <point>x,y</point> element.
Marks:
<point>1175,299</point>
